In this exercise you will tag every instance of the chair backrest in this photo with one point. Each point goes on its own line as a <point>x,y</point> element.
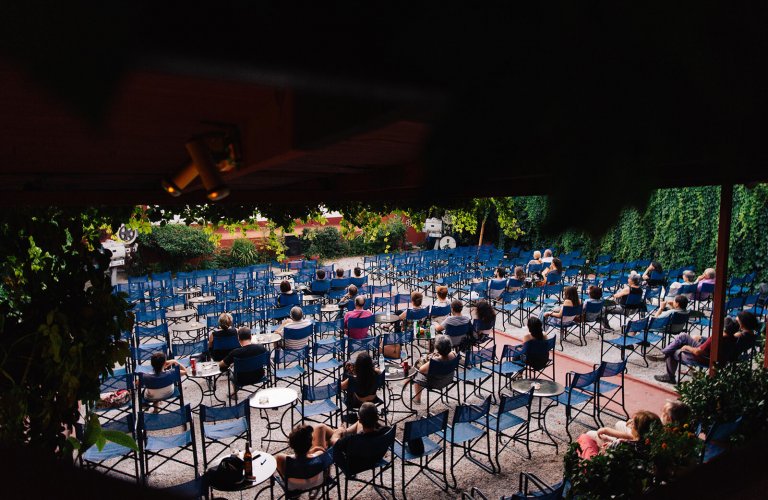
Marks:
<point>636,326</point>
<point>370,344</point>
<point>250,364</point>
<point>398,338</point>
<point>358,282</point>
<point>439,311</point>
<point>438,368</point>
<point>658,324</point>
<point>339,283</point>
<point>416,314</point>
<point>461,330</point>
<point>144,352</point>
<point>425,426</point>
<point>678,320</point>
<point>511,403</point>
<point>367,452</point>
<point>582,380</point>
<point>149,316</point>
<point>188,349</point>
<point>320,286</point>
<point>278,312</point>
<point>334,347</point>
<point>329,326</point>
<point>320,392</point>
<point>479,357</point>
<point>225,342</point>
<point>160,331</point>
<point>286,356</point>
<point>161,380</point>
<point>471,413</point>
<point>591,308</point>
<point>297,334</point>
<point>305,468</point>
<point>612,369</point>
<point>165,420</point>
<point>366,322</point>
<point>571,311</point>
<point>401,298</point>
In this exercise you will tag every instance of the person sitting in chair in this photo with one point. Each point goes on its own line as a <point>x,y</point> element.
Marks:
<point>536,260</point>
<point>455,319</point>
<point>654,267</point>
<point>362,377</point>
<point>287,295</point>
<point>416,300</point>
<point>548,258</point>
<point>357,312</point>
<point>225,330</point>
<point>307,442</point>
<point>631,288</point>
<point>641,424</point>
<point>159,365</point>
<point>295,321</point>
<point>689,278</point>
<point>678,304</point>
<point>246,350</point>
<point>444,353</point>
<point>348,300</point>
<point>354,440</point>
<point>570,299</point>
<point>708,277</point>
<point>534,351</point>
<point>556,266</point>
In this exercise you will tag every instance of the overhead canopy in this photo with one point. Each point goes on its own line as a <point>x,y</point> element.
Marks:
<point>588,100</point>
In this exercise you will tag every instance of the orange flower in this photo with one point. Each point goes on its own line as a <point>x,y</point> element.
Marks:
<point>685,426</point>
<point>663,446</point>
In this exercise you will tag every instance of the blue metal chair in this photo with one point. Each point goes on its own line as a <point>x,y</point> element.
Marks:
<point>370,344</point>
<point>578,395</point>
<point>430,430</point>
<point>302,470</point>
<point>327,359</point>
<point>459,335</point>
<point>205,310</point>
<point>222,345</point>
<point>350,463</point>
<point>439,311</point>
<point>229,423</point>
<point>290,365</point>
<point>116,417</point>
<point>592,318</point>
<point>251,371</point>
<point>611,391</point>
<point>479,367</point>
<point>469,427</point>
<point>152,333</point>
<point>404,340</point>
<point>319,401</point>
<point>165,379</point>
<point>365,322</point>
<point>164,446</point>
<point>442,378</point>
<point>716,440</point>
<point>143,353</point>
<point>633,336</point>
<point>112,456</point>
<point>182,352</point>
<point>564,328</point>
<point>510,366</point>
<point>507,425</point>
<point>319,287</point>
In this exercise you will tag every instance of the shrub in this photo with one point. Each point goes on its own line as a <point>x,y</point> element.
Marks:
<point>327,243</point>
<point>387,238</point>
<point>175,243</point>
<point>243,253</point>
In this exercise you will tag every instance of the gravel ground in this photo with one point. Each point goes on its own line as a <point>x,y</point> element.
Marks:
<point>544,462</point>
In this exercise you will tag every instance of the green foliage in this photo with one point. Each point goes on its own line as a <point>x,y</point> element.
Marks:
<point>619,472</point>
<point>176,243</point>
<point>737,389</point>
<point>243,253</point>
<point>672,449</point>
<point>327,243</point>
<point>60,324</point>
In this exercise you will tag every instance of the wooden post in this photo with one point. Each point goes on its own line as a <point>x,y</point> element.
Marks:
<point>721,274</point>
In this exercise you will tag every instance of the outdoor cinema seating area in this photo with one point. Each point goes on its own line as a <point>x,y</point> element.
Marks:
<point>486,417</point>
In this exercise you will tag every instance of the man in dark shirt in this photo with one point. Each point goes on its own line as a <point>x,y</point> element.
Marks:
<point>246,350</point>
<point>355,448</point>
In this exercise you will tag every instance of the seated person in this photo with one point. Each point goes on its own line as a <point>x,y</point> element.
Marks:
<point>536,260</point>
<point>534,351</point>
<point>159,365</point>
<point>631,288</point>
<point>570,299</point>
<point>500,274</point>
<point>320,274</point>
<point>295,321</point>
<point>357,272</point>
<point>416,300</point>
<point>339,273</point>
<point>654,267</point>
<point>287,296</point>
<point>307,442</point>
<point>689,348</point>
<point>674,412</point>
<point>225,330</point>
<point>246,350</point>
<point>595,295</point>
<point>362,377</point>
<point>357,312</point>
<point>556,267</point>
<point>351,442</point>
<point>486,316</point>
<point>746,337</point>
<point>642,422</point>
<point>443,352</point>
<point>548,258</point>
<point>348,299</point>
<point>519,275</point>
<point>678,304</point>
<point>455,319</point>
<point>442,297</point>
<point>707,277</point>
<point>689,278</point>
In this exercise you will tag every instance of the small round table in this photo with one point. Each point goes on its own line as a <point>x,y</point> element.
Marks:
<point>188,292</point>
<point>271,399</point>
<point>208,371</point>
<point>386,318</point>
<point>541,389</point>
<point>284,274</point>
<point>265,338</point>
<point>395,373</point>
<point>202,299</point>
<point>311,298</point>
<point>264,466</point>
<point>187,327</point>
<point>177,315</point>
<point>328,310</point>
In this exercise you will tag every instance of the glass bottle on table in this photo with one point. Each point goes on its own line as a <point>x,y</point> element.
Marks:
<point>248,461</point>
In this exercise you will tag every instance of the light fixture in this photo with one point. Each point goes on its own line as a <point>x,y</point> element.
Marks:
<point>206,167</point>
<point>176,184</point>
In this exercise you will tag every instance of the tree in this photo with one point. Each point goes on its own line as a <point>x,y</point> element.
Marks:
<point>467,219</point>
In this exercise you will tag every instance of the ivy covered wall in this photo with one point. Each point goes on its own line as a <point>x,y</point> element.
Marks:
<point>678,227</point>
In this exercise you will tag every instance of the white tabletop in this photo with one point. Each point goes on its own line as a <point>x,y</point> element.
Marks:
<point>276,397</point>
<point>264,466</point>
<point>179,313</point>
<point>202,298</point>
<point>265,338</point>
<point>330,308</point>
<point>204,370</point>
<point>186,326</point>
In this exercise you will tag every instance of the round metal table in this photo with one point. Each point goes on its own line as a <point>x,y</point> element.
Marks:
<point>541,389</point>
<point>271,399</point>
<point>328,310</point>
<point>178,315</point>
<point>186,327</point>
<point>386,318</point>
<point>284,274</point>
<point>264,466</point>
<point>206,372</point>
<point>311,298</point>
<point>202,299</point>
<point>265,338</point>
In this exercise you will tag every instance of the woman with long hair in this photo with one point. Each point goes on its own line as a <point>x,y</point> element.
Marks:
<point>570,299</point>
<point>360,382</point>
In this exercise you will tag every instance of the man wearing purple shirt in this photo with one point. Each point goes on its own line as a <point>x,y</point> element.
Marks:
<point>707,277</point>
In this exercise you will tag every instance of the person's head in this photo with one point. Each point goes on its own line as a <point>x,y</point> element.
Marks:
<point>595,292</point>
<point>634,280</point>
<point>285,286</point>
<point>656,266</point>
<point>359,302</point>
<point>339,273</point>
<point>358,272</point>
<point>519,273</point>
<point>747,320</point>
<point>675,412</point>
<point>689,276</point>
<point>730,326</point>
<point>300,440</point>
<point>709,273</point>
<point>352,290</point>
<point>368,416</point>
<point>535,328</point>
<point>296,313</point>
<point>442,292</point>
<point>536,255</point>
<point>681,302</point>
<point>157,361</point>
<point>547,253</point>
<point>416,298</point>
<point>557,264</point>
<point>244,335</point>
<point>642,422</point>
<point>500,272</point>
<point>364,366</point>
<point>456,307</point>
<point>484,311</point>
<point>321,274</point>
<point>443,345</point>
<point>571,293</point>
<point>225,321</point>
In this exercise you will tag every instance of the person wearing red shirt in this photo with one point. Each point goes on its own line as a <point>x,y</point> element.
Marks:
<point>358,312</point>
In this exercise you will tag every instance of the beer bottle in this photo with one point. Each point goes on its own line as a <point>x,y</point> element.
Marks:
<point>248,459</point>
